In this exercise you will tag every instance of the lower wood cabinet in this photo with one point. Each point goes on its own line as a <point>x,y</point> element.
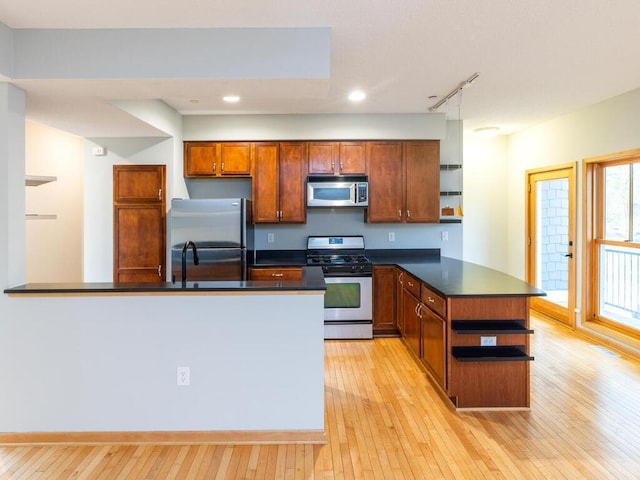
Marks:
<point>433,338</point>
<point>411,320</point>
<point>384,301</point>
<point>275,273</point>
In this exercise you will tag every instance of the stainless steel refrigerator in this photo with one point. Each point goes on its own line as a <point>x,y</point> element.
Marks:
<point>222,234</point>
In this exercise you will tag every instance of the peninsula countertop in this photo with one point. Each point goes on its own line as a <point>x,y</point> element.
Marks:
<point>312,280</point>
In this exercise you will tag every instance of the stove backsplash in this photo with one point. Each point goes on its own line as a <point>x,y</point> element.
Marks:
<point>351,222</point>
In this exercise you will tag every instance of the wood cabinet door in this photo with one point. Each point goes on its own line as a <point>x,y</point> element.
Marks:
<point>433,337</point>
<point>352,158</point>
<point>399,296</point>
<point>235,158</point>
<point>323,157</point>
<point>201,159</point>
<point>384,300</point>
<point>422,180</point>
<point>265,183</point>
<point>138,183</point>
<point>386,191</point>
<point>139,243</point>
<point>291,177</point>
<point>411,331</point>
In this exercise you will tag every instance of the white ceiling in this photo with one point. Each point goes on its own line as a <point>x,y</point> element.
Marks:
<point>536,60</point>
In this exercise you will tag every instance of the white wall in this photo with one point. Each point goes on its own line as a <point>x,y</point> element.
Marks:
<point>54,247</point>
<point>12,194</point>
<point>485,201</point>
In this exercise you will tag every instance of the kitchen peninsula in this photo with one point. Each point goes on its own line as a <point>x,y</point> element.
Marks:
<point>105,361</point>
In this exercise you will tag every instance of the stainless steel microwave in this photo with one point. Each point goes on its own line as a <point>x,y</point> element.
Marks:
<point>337,191</point>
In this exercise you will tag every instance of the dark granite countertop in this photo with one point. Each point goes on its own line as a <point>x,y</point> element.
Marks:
<point>312,279</point>
<point>455,278</point>
<point>447,276</point>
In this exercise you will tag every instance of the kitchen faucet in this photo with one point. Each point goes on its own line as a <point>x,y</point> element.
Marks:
<point>184,258</point>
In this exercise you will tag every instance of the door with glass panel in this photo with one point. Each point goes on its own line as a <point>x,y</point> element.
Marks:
<point>550,239</point>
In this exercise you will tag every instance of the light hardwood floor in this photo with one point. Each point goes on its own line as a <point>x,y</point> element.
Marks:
<point>385,420</point>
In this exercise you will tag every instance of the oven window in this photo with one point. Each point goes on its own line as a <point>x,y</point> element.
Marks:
<point>321,193</point>
<point>342,295</point>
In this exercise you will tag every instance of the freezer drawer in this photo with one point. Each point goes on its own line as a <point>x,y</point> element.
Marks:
<point>214,264</point>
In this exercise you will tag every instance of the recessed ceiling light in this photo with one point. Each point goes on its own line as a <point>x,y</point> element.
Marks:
<point>231,98</point>
<point>357,96</point>
<point>486,131</point>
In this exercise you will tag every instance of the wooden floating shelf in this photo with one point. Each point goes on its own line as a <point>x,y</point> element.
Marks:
<point>475,327</point>
<point>505,353</point>
<point>36,180</point>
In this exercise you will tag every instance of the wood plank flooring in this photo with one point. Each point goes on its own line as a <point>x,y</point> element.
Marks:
<point>385,420</point>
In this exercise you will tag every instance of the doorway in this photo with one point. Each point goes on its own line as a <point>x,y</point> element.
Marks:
<point>550,237</point>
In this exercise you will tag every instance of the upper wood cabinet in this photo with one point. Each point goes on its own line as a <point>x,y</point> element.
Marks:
<point>218,159</point>
<point>138,184</point>
<point>337,158</point>
<point>279,182</point>
<point>386,189</point>
<point>404,181</point>
<point>422,181</point>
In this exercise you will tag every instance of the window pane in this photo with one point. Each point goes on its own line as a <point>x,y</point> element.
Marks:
<point>636,203</point>
<point>620,285</point>
<point>616,202</point>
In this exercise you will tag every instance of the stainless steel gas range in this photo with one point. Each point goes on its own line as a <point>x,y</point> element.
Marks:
<point>348,312</point>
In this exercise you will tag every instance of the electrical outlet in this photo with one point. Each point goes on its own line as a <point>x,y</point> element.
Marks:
<point>184,376</point>
<point>271,237</point>
<point>445,236</point>
<point>488,341</point>
<point>392,236</point>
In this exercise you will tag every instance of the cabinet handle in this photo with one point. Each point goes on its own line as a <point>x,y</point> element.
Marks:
<point>222,167</point>
<point>159,194</point>
<point>160,270</point>
<point>431,300</point>
<point>408,213</point>
<point>341,166</point>
<point>333,165</point>
<point>399,213</point>
<point>214,167</point>
<point>418,310</point>
<point>277,274</point>
<point>410,283</point>
<point>400,277</point>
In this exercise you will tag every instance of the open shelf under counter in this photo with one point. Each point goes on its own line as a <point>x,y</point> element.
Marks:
<point>505,353</point>
<point>501,327</point>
